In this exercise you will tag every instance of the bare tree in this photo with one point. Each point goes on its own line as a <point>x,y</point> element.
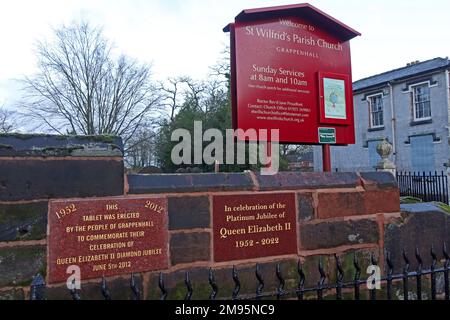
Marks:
<point>81,89</point>
<point>195,90</point>
<point>180,91</point>
<point>222,68</point>
<point>7,122</point>
<point>141,150</point>
<point>171,95</point>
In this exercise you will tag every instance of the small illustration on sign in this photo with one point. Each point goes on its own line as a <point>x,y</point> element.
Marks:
<point>335,103</point>
<point>327,135</point>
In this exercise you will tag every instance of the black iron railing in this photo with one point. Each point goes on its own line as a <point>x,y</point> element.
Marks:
<point>321,291</point>
<point>425,186</point>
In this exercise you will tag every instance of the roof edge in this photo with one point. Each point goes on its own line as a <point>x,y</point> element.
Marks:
<point>347,32</point>
<point>402,77</point>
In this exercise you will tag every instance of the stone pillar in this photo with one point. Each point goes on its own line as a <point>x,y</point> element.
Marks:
<point>384,149</point>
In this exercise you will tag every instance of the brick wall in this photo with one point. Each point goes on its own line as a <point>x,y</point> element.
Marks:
<point>338,213</point>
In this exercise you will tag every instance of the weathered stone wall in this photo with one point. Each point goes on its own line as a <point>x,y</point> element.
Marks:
<point>34,169</point>
<point>338,213</point>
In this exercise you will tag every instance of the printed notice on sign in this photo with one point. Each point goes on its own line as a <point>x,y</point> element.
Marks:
<point>334,95</point>
<point>107,236</point>
<point>254,226</point>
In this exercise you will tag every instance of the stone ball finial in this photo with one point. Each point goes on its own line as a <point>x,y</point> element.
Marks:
<point>384,149</point>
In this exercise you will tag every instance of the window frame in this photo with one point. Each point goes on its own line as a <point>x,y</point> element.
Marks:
<point>414,102</point>
<point>371,118</point>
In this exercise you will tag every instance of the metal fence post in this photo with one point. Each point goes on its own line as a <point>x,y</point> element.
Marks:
<point>37,290</point>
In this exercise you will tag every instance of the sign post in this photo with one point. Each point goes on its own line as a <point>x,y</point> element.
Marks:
<point>326,158</point>
<point>291,71</point>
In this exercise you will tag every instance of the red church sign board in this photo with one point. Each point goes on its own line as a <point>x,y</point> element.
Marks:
<point>291,70</point>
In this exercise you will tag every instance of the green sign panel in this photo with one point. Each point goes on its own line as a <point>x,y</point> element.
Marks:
<point>327,135</point>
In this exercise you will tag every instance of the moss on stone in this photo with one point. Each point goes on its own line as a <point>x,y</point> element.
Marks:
<point>24,136</point>
<point>19,265</point>
<point>99,138</point>
<point>95,138</point>
<point>410,200</point>
<point>443,206</point>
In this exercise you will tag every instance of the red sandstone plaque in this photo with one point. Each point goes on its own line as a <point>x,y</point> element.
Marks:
<point>254,226</point>
<point>107,236</point>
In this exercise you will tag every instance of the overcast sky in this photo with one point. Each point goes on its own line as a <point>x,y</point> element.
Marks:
<point>184,37</point>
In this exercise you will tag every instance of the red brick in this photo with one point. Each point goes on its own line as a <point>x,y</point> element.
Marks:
<point>359,203</point>
<point>382,201</point>
<point>340,204</point>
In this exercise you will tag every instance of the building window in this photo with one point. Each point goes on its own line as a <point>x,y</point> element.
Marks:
<point>421,102</point>
<point>376,111</point>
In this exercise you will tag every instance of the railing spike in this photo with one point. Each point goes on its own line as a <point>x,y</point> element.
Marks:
<point>389,263</point>
<point>321,281</point>
<point>213,284</point>
<point>190,290</point>
<point>373,259</point>
<point>75,294</point>
<point>281,282</point>
<point>162,287</point>
<point>419,274</point>
<point>339,278</point>
<point>446,255</point>
<point>406,260</point>
<point>237,283</point>
<point>390,272</point>
<point>357,276</point>
<point>419,258</point>
<point>259,277</point>
<point>37,290</point>
<point>405,276</point>
<point>356,264</point>
<point>433,274</point>
<point>374,262</point>
<point>340,270</point>
<point>321,270</point>
<point>134,288</point>
<point>301,282</point>
<point>433,255</point>
<point>105,291</point>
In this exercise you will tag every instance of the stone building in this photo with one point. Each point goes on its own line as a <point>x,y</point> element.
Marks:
<point>410,107</point>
